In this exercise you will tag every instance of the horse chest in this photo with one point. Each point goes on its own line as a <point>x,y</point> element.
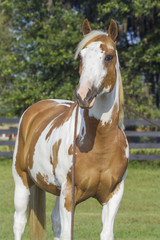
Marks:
<point>98,180</point>
<point>100,170</point>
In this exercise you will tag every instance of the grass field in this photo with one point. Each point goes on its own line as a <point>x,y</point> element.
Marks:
<point>138,217</point>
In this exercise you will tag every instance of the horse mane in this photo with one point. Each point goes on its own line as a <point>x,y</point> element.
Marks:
<point>80,46</point>
<point>121,101</point>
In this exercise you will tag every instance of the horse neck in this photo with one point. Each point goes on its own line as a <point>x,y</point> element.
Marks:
<point>106,106</point>
<point>101,119</point>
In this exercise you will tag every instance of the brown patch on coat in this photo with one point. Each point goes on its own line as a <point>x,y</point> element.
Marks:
<point>42,182</point>
<point>67,192</point>
<point>110,79</point>
<point>95,131</point>
<point>87,143</point>
<point>20,163</point>
<point>51,160</point>
<point>23,175</point>
<point>116,188</point>
<point>62,118</point>
<point>70,150</point>
<point>101,38</point>
<point>55,154</point>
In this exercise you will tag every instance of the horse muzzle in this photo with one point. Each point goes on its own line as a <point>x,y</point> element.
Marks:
<point>88,100</point>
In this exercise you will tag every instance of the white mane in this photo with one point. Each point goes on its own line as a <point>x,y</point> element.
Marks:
<point>87,38</point>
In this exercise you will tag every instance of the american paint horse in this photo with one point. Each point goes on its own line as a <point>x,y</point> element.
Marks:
<point>44,146</point>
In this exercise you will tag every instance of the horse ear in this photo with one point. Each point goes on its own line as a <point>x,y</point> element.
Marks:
<point>113,30</point>
<point>86,27</point>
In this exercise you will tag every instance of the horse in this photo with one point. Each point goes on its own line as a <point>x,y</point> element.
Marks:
<point>42,159</point>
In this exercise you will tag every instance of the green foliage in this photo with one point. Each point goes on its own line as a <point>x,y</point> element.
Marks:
<point>113,8</point>
<point>42,61</point>
<point>5,46</point>
<point>37,44</point>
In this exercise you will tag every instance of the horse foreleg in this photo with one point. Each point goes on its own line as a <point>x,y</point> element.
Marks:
<point>65,211</point>
<point>56,223</point>
<point>109,212</point>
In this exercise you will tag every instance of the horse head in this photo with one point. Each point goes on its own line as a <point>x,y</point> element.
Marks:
<point>98,58</point>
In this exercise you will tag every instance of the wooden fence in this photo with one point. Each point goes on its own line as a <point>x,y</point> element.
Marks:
<point>8,129</point>
<point>137,138</point>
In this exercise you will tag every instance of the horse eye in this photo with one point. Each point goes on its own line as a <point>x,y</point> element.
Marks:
<point>108,58</point>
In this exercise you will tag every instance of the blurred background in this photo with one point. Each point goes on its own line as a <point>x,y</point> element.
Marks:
<point>38,40</point>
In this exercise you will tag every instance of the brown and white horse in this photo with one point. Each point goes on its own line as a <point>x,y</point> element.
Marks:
<point>44,146</point>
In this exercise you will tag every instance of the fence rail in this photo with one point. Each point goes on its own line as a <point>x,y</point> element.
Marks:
<point>8,132</point>
<point>142,139</point>
<point>137,139</point>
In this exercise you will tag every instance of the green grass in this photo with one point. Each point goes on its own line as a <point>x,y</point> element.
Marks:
<point>145,151</point>
<point>138,217</point>
<point>6,148</point>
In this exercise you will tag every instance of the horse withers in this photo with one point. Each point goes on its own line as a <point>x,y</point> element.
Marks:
<point>44,147</point>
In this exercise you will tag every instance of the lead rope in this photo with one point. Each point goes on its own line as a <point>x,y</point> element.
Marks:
<point>141,116</point>
<point>73,174</point>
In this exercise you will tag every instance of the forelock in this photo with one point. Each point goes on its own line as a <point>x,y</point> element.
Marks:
<point>86,39</point>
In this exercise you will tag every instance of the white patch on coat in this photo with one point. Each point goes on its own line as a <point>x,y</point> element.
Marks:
<point>41,158</point>
<point>66,131</point>
<point>87,38</point>
<point>21,199</point>
<point>127,148</point>
<point>63,102</point>
<point>104,103</point>
<point>44,150</point>
<point>109,211</point>
<point>110,47</point>
<point>65,216</point>
<point>106,90</point>
<point>82,131</point>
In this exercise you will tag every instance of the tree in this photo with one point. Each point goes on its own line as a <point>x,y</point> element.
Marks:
<point>5,46</point>
<point>44,35</point>
<point>42,61</point>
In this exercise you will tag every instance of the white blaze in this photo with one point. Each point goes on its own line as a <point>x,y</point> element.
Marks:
<point>93,68</point>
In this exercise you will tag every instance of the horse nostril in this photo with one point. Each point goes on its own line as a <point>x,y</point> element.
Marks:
<point>78,97</point>
<point>85,98</point>
<point>91,94</point>
<point>76,94</point>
